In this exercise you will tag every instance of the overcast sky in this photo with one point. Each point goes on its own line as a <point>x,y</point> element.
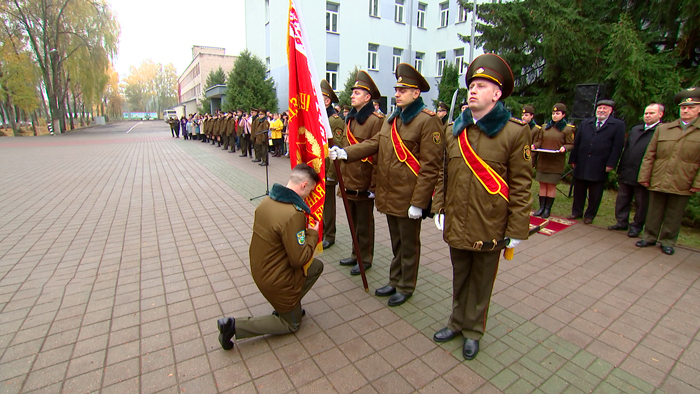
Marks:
<point>165,31</point>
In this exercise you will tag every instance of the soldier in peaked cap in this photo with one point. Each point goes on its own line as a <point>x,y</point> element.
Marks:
<point>337,127</point>
<point>443,111</point>
<point>671,171</point>
<point>483,207</point>
<point>409,151</point>
<point>363,123</point>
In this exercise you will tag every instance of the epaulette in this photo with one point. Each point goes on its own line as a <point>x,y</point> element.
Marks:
<point>518,121</point>
<point>335,116</point>
<point>378,114</point>
<point>429,112</point>
<point>573,126</point>
<point>538,126</point>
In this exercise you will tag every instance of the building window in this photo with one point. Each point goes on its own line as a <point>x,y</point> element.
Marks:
<point>372,53</point>
<point>267,11</point>
<point>441,60</point>
<point>444,14</point>
<point>398,11</point>
<point>331,17</point>
<point>463,13</point>
<point>374,8</point>
<point>397,58</point>
<point>418,62</point>
<point>267,64</point>
<point>459,60</point>
<point>332,75</point>
<point>420,20</point>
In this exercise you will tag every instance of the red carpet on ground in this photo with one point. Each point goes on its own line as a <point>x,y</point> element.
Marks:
<point>555,224</point>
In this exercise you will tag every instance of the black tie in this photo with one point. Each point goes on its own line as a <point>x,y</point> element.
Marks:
<point>600,124</point>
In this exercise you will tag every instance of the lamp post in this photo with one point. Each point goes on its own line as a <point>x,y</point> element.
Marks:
<point>471,43</point>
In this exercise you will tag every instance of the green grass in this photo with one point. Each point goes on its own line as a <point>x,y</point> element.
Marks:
<point>606,214</point>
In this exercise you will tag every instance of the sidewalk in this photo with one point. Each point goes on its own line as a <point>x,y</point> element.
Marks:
<point>118,252</point>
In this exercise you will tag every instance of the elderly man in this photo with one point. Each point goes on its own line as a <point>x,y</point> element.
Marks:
<point>409,151</point>
<point>597,147</point>
<point>486,200</point>
<point>628,171</point>
<point>363,123</point>
<point>670,171</point>
<point>281,259</point>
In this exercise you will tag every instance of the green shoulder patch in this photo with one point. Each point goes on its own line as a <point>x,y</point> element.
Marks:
<point>301,237</point>
<point>518,121</point>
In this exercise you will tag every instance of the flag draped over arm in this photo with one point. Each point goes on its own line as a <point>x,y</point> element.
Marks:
<point>308,122</point>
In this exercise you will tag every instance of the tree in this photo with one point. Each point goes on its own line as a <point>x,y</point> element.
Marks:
<point>449,82</point>
<point>55,32</point>
<point>217,77</point>
<point>248,86</point>
<point>151,87</point>
<point>344,96</point>
<point>18,80</point>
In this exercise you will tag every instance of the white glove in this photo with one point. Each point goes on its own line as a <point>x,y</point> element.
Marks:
<point>513,243</point>
<point>439,221</point>
<point>415,212</point>
<point>371,195</point>
<point>335,153</point>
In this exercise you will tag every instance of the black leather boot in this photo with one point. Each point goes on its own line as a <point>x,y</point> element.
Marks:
<point>541,210</point>
<point>549,201</point>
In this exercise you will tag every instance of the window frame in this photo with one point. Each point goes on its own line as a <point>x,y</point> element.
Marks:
<point>444,14</point>
<point>418,61</point>
<point>332,75</point>
<point>441,62</point>
<point>396,58</point>
<point>374,6</point>
<point>462,15</point>
<point>420,18</point>
<point>330,16</point>
<point>399,11</point>
<point>373,57</point>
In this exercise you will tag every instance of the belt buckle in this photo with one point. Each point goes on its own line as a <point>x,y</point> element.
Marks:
<point>494,245</point>
<point>477,245</point>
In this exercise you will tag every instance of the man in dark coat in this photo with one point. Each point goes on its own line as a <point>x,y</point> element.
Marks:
<point>628,170</point>
<point>597,148</point>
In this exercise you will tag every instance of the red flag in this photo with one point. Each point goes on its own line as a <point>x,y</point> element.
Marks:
<point>308,122</point>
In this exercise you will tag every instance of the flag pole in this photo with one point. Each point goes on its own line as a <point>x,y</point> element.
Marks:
<point>351,224</point>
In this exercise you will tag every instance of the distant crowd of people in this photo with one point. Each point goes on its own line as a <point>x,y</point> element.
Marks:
<point>252,133</point>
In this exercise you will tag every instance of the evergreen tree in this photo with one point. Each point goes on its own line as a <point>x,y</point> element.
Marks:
<point>248,86</point>
<point>344,96</point>
<point>449,82</point>
<point>216,77</point>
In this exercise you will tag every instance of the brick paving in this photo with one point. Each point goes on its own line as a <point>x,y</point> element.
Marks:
<point>119,251</point>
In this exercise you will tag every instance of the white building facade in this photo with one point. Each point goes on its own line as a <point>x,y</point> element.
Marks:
<point>374,35</point>
<point>191,83</point>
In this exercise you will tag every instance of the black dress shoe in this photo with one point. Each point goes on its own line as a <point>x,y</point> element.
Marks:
<point>617,227</point>
<point>470,348</point>
<point>667,250</point>
<point>227,329</point>
<point>262,164</point>
<point>633,233</point>
<point>348,262</point>
<point>243,155</point>
<point>644,244</point>
<point>573,217</point>
<point>356,269</point>
<point>328,244</point>
<point>445,335</point>
<point>398,299</point>
<point>587,221</point>
<point>256,160</point>
<point>385,291</point>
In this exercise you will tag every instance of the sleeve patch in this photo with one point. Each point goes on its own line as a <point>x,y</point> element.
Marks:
<point>437,138</point>
<point>301,237</point>
<point>527,155</point>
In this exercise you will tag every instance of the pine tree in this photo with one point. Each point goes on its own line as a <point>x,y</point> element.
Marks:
<point>344,96</point>
<point>449,82</point>
<point>216,77</point>
<point>248,86</point>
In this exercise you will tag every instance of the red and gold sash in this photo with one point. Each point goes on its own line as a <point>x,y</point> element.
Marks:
<point>352,141</point>
<point>489,178</point>
<point>402,153</point>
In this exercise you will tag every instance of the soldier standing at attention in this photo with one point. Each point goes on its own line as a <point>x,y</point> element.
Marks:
<point>486,196</point>
<point>281,259</point>
<point>363,123</point>
<point>409,151</point>
<point>670,170</point>
<point>443,111</point>
<point>254,134</point>
<point>337,126</point>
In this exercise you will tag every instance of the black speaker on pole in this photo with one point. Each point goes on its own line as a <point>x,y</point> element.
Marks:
<point>586,96</point>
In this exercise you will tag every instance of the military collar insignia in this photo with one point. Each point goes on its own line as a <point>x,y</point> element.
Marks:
<point>491,124</point>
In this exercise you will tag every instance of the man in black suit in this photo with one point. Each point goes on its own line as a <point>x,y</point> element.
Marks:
<point>597,147</point>
<point>628,170</point>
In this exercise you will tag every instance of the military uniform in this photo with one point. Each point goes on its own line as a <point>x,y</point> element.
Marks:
<point>474,218</point>
<point>444,107</point>
<point>359,176</point>
<point>280,247</point>
<point>671,166</point>
<point>337,126</point>
<point>398,186</point>
<point>261,127</point>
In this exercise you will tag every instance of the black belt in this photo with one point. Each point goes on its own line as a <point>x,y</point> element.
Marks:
<point>490,245</point>
<point>356,193</point>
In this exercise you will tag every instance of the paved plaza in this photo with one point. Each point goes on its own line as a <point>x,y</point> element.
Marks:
<point>118,252</point>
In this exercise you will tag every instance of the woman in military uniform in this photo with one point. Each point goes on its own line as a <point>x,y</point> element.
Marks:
<point>557,135</point>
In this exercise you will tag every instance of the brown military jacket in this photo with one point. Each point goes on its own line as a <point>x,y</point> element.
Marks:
<point>397,187</point>
<point>364,124</point>
<point>214,126</point>
<point>204,126</point>
<point>338,130</point>
<point>280,247</point>
<point>552,138</point>
<point>472,214</point>
<point>231,126</point>
<point>672,160</point>
<point>260,126</point>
